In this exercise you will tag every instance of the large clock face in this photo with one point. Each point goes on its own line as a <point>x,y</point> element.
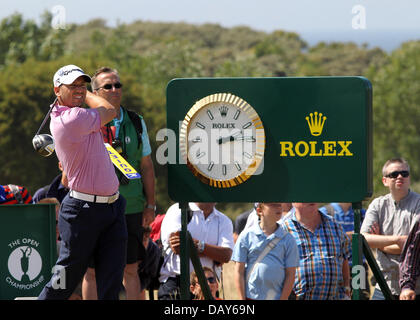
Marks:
<point>222,140</point>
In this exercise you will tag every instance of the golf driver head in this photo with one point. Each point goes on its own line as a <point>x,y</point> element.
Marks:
<point>43,144</point>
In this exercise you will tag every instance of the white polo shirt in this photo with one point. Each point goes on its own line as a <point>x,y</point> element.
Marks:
<point>217,229</point>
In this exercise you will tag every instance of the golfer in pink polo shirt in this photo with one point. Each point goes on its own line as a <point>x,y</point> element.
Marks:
<point>91,220</point>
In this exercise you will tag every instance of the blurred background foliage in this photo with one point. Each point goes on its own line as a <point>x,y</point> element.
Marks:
<point>149,54</point>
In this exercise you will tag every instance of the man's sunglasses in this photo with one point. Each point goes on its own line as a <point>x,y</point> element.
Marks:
<point>395,174</point>
<point>109,86</point>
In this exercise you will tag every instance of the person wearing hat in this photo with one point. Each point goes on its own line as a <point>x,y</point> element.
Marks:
<point>91,219</point>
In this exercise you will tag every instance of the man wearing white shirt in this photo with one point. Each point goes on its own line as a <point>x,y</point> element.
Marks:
<point>212,233</point>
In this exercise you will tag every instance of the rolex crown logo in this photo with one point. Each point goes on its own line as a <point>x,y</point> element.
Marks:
<point>316,123</point>
<point>223,111</point>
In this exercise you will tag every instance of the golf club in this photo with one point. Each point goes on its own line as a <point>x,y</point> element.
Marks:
<point>44,143</point>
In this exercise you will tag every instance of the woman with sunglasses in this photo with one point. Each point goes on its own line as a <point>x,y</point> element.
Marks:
<point>195,287</point>
<point>266,257</point>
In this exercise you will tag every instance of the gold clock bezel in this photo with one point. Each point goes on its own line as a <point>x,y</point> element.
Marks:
<point>244,106</point>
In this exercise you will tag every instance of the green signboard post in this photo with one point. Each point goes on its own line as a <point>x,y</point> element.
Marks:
<point>27,249</point>
<point>270,140</point>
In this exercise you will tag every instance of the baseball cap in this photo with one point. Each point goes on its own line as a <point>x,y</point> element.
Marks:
<point>67,74</point>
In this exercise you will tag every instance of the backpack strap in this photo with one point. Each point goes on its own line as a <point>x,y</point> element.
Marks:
<point>266,250</point>
<point>135,119</point>
<point>16,193</point>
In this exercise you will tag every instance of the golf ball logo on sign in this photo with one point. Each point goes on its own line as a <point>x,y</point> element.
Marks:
<point>24,264</point>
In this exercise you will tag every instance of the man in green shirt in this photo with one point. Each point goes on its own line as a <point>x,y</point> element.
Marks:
<point>122,134</point>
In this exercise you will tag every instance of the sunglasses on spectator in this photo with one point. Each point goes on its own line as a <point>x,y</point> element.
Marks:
<point>109,86</point>
<point>395,174</point>
<point>211,279</point>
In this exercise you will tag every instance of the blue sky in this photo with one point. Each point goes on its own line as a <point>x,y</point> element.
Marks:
<point>386,22</point>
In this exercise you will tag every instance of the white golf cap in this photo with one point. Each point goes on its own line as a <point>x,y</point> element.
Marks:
<point>67,74</point>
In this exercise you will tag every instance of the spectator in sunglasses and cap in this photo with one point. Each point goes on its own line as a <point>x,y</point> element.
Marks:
<point>388,221</point>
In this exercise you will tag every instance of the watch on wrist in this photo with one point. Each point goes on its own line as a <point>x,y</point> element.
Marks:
<point>200,246</point>
<point>151,206</point>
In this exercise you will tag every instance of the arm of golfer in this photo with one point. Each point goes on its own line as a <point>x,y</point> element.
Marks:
<point>106,110</point>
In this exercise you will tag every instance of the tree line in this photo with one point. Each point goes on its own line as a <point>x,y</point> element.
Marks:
<point>149,54</point>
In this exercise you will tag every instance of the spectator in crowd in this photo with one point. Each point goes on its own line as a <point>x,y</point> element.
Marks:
<point>266,257</point>
<point>324,252</point>
<point>149,268</point>
<point>253,217</point>
<point>388,221</point>
<point>410,265</point>
<point>343,214</point>
<point>123,132</point>
<point>240,223</point>
<point>212,233</point>
<point>195,287</point>
<point>58,188</point>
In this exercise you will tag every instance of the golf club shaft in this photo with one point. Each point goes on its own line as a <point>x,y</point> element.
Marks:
<point>46,117</point>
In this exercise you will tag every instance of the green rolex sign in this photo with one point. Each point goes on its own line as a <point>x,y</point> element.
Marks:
<point>271,139</point>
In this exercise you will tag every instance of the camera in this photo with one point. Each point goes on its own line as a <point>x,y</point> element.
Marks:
<point>117,145</point>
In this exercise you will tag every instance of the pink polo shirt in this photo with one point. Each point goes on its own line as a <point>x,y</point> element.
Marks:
<point>80,148</point>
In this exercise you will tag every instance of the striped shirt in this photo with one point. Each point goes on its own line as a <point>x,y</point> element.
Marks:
<point>322,253</point>
<point>410,264</point>
<point>7,196</point>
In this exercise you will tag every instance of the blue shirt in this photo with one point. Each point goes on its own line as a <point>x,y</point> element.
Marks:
<point>344,218</point>
<point>267,279</point>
